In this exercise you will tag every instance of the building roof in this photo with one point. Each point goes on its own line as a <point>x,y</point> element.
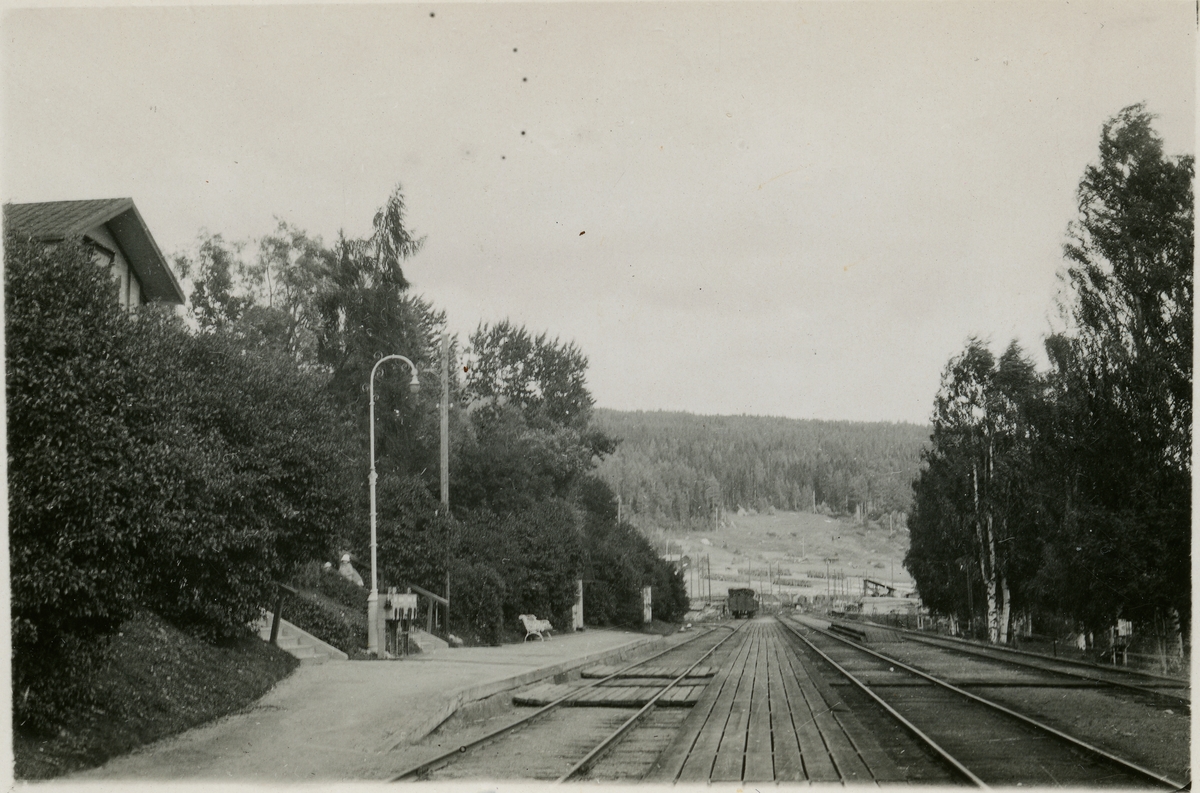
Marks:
<point>51,221</point>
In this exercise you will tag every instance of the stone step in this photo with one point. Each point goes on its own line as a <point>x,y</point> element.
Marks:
<point>298,642</point>
<point>427,642</point>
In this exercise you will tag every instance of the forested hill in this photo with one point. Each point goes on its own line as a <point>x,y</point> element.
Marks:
<point>675,466</point>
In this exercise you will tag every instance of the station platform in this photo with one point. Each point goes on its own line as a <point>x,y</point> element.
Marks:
<point>350,720</point>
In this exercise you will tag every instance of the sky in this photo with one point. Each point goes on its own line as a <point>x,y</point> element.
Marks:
<point>790,209</point>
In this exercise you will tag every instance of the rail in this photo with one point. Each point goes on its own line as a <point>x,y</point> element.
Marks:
<point>991,653</point>
<point>596,753</point>
<point>443,758</point>
<point>1056,658</point>
<point>1070,739</point>
<point>908,725</point>
<point>277,617</point>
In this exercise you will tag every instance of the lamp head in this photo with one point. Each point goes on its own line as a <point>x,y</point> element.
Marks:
<point>414,385</point>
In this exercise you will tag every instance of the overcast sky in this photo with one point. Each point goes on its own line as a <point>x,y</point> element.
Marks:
<point>797,209</point>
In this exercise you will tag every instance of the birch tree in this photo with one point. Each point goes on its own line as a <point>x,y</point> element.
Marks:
<point>974,486</point>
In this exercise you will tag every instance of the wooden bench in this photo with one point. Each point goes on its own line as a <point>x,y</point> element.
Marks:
<point>535,627</point>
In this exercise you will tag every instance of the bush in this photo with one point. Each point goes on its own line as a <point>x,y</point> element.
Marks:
<point>312,576</point>
<point>621,561</point>
<point>332,623</point>
<point>75,470</point>
<point>478,602</point>
<point>251,477</point>
<point>147,466</point>
<point>414,540</point>
<point>538,553</point>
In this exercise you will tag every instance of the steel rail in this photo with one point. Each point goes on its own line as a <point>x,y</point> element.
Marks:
<point>607,743</point>
<point>453,753</point>
<point>1115,759</point>
<point>950,759</point>
<point>1176,682</point>
<point>984,652</point>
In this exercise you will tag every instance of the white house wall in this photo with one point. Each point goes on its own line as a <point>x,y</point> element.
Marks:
<point>129,287</point>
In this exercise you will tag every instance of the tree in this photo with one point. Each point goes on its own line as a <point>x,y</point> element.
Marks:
<point>620,561</point>
<point>1130,272</point>
<point>1122,379</point>
<point>1081,479</point>
<point>973,492</point>
<point>543,378</point>
<point>218,297</point>
<point>292,273</point>
<point>364,312</point>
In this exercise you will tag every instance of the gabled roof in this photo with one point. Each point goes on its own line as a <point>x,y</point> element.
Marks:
<point>51,221</point>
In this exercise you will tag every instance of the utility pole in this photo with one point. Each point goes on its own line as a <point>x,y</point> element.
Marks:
<point>444,410</point>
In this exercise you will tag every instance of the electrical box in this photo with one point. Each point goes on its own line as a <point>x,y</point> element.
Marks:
<point>399,611</point>
<point>398,607</point>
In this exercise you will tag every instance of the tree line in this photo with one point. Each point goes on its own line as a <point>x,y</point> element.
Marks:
<point>186,469</point>
<point>1065,495</point>
<point>680,467</point>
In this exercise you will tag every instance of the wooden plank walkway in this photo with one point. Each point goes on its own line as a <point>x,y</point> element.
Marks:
<point>765,718</point>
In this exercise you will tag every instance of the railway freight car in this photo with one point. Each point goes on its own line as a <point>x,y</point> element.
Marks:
<point>743,602</point>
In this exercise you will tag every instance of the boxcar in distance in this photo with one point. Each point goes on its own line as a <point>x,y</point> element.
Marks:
<point>743,602</point>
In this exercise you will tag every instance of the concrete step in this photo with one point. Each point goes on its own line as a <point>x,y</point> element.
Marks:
<point>298,642</point>
<point>428,642</point>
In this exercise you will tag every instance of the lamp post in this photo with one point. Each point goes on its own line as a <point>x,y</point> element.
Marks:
<point>414,385</point>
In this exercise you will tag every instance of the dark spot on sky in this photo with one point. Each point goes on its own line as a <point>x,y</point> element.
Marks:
<point>524,79</point>
<point>582,233</point>
<point>522,132</point>
<point>430,13</point>
<point>514,49</point>
<point>503,157</point>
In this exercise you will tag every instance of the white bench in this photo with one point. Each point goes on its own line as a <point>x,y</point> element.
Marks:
<point>535,627</point>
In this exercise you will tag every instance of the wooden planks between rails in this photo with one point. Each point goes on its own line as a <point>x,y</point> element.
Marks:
<point>668,672</point>
<point>610,696</point>
<point>763,718</point>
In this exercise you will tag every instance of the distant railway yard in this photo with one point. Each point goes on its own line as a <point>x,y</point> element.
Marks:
<point>793,698</point>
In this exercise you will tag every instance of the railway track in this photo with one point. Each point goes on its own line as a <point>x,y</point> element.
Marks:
<point>1162,690</point>
<point>767,719</point>
<point>559,742</point>
<point>983,741</point>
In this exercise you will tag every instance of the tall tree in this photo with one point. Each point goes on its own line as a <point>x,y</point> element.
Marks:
<point>219,296</point>
<point>974,489</point>
<point>292,273</point>
<point>1122,374</point>
<point>543,378</point>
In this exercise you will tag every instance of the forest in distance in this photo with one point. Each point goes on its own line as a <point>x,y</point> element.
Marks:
<point>679,468</point>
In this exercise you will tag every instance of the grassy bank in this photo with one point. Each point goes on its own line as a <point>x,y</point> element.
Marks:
<point>155,681</point>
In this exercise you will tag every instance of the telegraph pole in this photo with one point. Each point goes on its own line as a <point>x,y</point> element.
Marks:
<point>444,411</point>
